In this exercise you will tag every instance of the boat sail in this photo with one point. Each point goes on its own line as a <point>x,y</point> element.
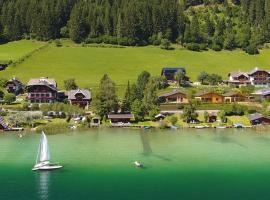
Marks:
<point>43,156</point>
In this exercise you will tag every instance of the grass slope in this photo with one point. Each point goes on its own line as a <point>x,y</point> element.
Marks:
<point>88,64</point>
<point>15,50</point>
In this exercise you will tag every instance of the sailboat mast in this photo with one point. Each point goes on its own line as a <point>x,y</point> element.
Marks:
<point>38,153</point>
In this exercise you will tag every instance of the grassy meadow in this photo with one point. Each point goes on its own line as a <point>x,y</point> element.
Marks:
<point>88,64</point>
<point>15,50</point>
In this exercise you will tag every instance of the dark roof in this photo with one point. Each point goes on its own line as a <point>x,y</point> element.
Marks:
<point>256,116</point>
<point>15,81</point>
<point>85,93</point>
<point>170,70</point>
<point>120,116</point>
<point>51,83</point>
<point>232,93</point>
<point>257,70</point>
<point>171,93</point>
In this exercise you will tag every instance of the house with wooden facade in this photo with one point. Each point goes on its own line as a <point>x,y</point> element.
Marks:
<point>79,97</point>
<point>238,79</point>
<point>257,118</point>
<point>41,90</point>
<point>209,97</point>
<point>14,86</point>
<point>231,97</point>
<point>257,77</point>
<point>175,96</point>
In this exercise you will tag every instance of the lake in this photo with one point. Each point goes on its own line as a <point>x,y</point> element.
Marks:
<point>98,164</point>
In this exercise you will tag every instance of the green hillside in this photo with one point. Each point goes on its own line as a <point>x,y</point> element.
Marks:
<point>88,64</point>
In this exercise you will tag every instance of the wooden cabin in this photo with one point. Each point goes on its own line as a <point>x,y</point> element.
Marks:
<point>169,73</point>
<point>81,98</point>
<point>259,78</point>
<point>209,97</point>
<point>175,96</point>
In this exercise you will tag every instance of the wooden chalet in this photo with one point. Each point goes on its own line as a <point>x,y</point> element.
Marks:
<point>120,118</point>
<point>81,98</point>
<point>231,97</point>
<point>14,86</point>
<point>209,97</point>
<point>175,96</point>
<point>238,79</point>
<point>260,78</point>
<point>41,90</point>
<point>257,118</point>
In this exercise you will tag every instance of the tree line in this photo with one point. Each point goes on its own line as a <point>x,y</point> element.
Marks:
<point>196,24</point>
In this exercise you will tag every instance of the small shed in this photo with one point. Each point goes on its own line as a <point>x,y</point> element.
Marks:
<point>257,118</point>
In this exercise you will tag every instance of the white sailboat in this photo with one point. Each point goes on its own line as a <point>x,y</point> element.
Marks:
<point>43,156</point>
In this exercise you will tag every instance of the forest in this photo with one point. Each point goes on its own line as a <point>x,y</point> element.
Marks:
<point>195,24</point>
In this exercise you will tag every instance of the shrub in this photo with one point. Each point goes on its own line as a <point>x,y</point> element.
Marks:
<point>216,47</point>
<point>193,46</point>
<point>9,98</point>
<point>165,44</point>
<point>173,120</point>
<point>58,43</point>
<point>163,124</point>
<point>252,50</point>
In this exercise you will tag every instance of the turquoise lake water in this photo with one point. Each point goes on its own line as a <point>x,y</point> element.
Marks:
<point>98,165</point>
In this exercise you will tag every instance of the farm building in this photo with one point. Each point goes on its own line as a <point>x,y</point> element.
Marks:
<point>257,118</point>
<point>81,98</point>
<point>42,90</point>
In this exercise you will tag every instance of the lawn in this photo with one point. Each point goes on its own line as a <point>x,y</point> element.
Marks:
<point>15,50</point>
<point>88,64</point>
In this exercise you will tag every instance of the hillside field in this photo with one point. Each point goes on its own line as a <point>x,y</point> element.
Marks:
<point>88,64</point>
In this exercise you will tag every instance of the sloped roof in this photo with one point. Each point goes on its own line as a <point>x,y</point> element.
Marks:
<point>237,74</point>
<point>256,116</point>
<point>257,70</point>
<point>172,93</point>
<point>85,93</point>
<point>15,81</point>
<point>262,92</point>
<point>232,93</point>
<point>43,81</point>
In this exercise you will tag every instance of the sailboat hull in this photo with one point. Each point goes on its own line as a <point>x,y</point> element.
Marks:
<point>47,168</point>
